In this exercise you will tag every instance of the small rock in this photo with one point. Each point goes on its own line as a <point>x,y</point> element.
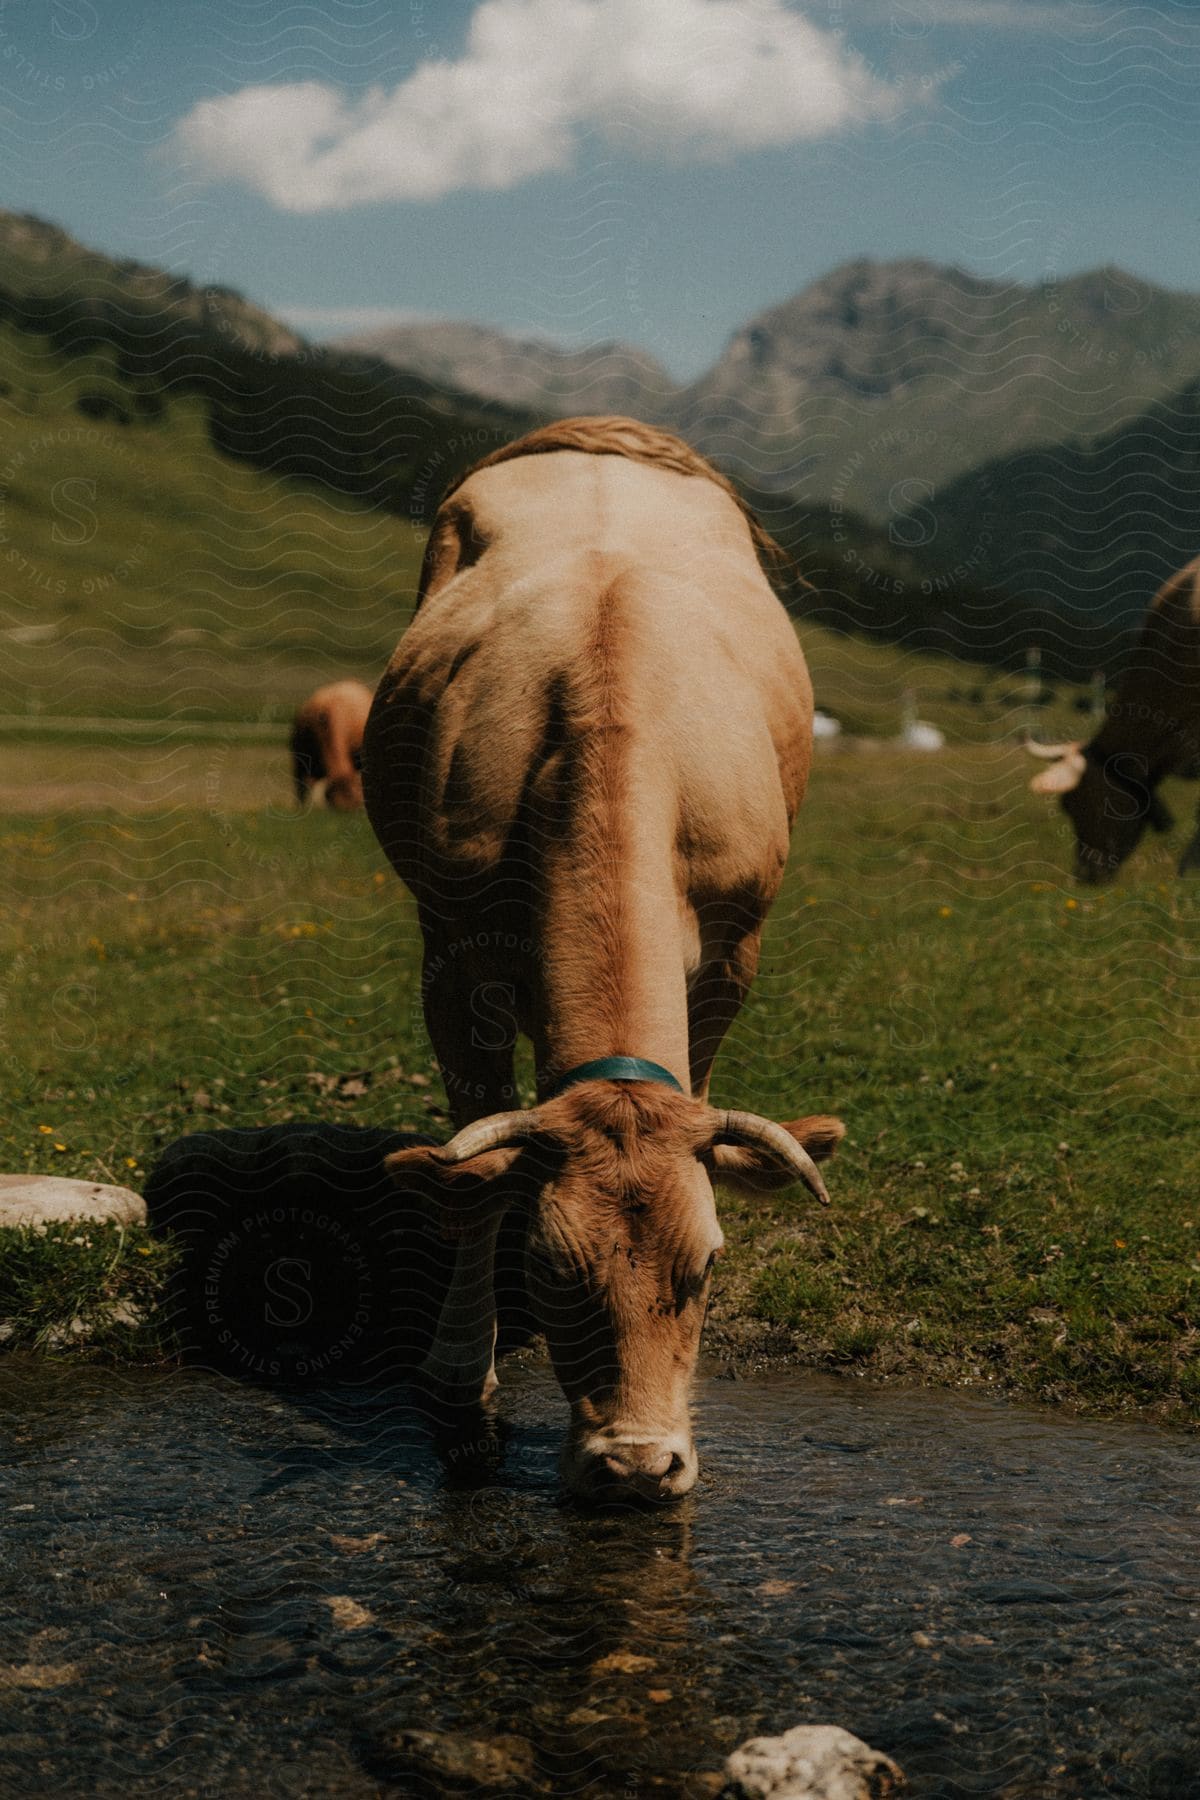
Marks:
<point>346,1613</point>
<point>37,1675</point>
<point>356,1546</point>
<point>74,1332</point>
<point>503,1764</point>
<point>810,1762</point>
<point>622,1662</point>
<point>41,1200</point>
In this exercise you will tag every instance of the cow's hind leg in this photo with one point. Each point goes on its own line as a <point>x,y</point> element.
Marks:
<point>469,1025</point>
<point>1189,862</point>
<point>717,993</point>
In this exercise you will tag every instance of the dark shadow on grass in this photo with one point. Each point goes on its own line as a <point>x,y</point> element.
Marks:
<point>304,1267</point>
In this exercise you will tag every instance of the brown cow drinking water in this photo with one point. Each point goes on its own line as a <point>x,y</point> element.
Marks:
<point>327,735</point>
<point>1108,787</point>
<point>585,760</point>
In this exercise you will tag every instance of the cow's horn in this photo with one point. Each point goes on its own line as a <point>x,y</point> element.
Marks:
<point>748,1128</point>
<point>489,1134</point>
<point>1052,752</point>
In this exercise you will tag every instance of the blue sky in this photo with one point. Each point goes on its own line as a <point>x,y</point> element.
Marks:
<point>652,170</point>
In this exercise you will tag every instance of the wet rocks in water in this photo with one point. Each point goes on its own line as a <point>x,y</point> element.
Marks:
<point>38,1675</point>
<point>810,1762</point>
<point>41,1200</point>
<point>443,1762</point>
<point>346,1613</point>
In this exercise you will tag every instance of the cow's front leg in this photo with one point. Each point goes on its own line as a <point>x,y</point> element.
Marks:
<point>472,1026</point>
<point>459,1369</point>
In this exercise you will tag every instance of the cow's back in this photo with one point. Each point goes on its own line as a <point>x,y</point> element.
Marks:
<point>552,581</point>
<point>1156,710</point>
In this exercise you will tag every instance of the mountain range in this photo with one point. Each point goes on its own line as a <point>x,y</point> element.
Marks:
<point>874,378</point>
<point>527,372</point>
<point>957,463</point>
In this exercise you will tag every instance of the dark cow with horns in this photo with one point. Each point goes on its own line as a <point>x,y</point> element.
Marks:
<point>585,760</point>
<point>1109,787</point>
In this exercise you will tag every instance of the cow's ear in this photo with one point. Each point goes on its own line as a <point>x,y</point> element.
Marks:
<point>1061,777</point>
<point>748,1166</point>
<point>464,1200</point>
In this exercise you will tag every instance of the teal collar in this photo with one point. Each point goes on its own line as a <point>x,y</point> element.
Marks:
<point>614,1068</point>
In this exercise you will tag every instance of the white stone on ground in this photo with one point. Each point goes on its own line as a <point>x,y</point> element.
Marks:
<point>52,1200</point>
<point>810,1762</point>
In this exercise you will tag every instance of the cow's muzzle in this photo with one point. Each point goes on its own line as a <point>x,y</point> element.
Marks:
<point>609,1471</point>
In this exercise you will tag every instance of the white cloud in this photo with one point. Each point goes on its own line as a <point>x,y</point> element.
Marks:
<point>701,79</point>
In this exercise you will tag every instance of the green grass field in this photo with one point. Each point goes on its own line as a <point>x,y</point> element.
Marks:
<point>143,575</point>
<point>1018,1200</point>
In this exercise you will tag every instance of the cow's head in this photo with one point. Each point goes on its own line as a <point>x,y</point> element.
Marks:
<point>1109,800</point>
<point>621,1243</point>
<point>343,794</point>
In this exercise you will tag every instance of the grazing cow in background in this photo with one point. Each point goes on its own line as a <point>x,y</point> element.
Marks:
<point>327,735</point>
<point>585,760</point>
<point>1151,730</point>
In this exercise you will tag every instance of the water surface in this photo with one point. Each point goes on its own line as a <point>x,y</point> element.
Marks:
<point>213,1589</point>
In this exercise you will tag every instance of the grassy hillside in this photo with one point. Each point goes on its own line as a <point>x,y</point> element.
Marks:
<point>184,479</point>
<point>351,424</point>
<point>143,572</point>
<point>39,261</point>
<point>1085,532</point>
<point>198,515</point>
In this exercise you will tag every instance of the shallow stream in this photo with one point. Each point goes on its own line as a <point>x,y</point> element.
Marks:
<point>214,1589</point>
